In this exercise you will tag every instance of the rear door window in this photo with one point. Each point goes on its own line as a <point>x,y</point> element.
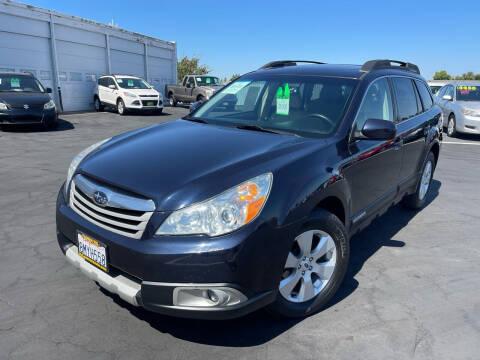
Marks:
<point>377,103</point>
<point>406,98</point>
<point>425,95</point>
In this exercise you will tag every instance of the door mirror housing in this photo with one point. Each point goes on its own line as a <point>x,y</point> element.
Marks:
<point>113,87</point>
<point>194,106</point>
<point>447,97</point>
<point>48,90</point>
<point>377,129</point>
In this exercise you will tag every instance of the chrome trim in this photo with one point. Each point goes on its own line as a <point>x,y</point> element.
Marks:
<point>115,199</point>
<point>129,225</point>
<point>124,287</point>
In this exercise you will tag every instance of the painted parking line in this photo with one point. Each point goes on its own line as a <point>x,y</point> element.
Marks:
<point>460,143</point>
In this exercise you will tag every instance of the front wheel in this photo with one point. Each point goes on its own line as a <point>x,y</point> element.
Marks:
<point>98,104</point>
<point>314,268</point>
<point>418,199</point>
<point>171,100</point>
<point>121,107</point>
<point>452,126</point>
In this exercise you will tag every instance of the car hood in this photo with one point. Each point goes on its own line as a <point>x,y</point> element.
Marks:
<point>473,105</point>
<point>18,99</point>
<point>182,162</point>
<point>141,91</point>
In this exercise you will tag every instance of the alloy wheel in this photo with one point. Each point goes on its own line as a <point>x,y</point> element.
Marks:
<point>309,267</point>
<point>120,107</point>
<point>451,127</point>
<point>425,180</point>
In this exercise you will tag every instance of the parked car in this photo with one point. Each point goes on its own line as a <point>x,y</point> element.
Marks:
<point>126,93</point>
<point>460,103</point>
<point>24,100</point>
<point>251,200</point>
<point>435,85</point>
<point>193,88</point>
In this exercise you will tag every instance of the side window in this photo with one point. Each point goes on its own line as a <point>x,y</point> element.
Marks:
<point>377,103</point>
<point>450,91</point>
<point>425,95</point>
<point>185,81</point>
<point>101,81</point>
<point>441,92</point>
<point>191,81</point>
<point>406,98</point>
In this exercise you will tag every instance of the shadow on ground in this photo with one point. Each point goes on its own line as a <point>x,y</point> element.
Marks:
<point>63,125</point>
<point>258,328</point>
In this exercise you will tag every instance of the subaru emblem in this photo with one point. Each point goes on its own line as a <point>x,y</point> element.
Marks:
<point>100,198</point>
<point>26,107</point>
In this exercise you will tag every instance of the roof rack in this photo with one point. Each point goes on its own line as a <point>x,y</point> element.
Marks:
<point>282,63</point>
<point>389,64</point>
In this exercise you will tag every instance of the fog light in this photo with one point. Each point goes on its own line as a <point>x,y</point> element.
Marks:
<point>202,296</point>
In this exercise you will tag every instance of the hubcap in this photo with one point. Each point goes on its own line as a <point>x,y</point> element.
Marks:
<point>425,181</point>
<point>171,100</point>
<point>451,126</point>
<point>120,107</point>
<point>309,267</point>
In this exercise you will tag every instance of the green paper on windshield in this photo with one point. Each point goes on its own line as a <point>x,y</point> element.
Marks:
<point>283,100</point>
<point>15,82</point>
<point>208,80</point>
<point>130,82</point>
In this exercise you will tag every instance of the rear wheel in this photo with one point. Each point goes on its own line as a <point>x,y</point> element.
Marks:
<point>452,126</point>
<point>121,107</point>
<point>171,100</point>
<point>314,268</point>
<point>98,104</point>
<point>418,199</point>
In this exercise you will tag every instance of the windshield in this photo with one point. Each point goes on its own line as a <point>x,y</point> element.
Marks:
<point>132,83</point>
<point>207,80</point>
<point>435,89</point>
<point>468,93</point>
<point>20,83</point>
<point>306,106</point>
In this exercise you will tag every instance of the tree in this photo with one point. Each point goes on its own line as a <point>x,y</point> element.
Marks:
<point>442,75</point>
<point>187,66</point>
<point>477,77</point>
<point>234,77</point>
<point>459,77</point>
<point>468,76</point>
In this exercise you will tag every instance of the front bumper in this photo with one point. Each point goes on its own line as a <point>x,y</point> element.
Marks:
<point>34,116</point>
<point>145,272</point>
<point>143,103</point>
<point>468,124</point>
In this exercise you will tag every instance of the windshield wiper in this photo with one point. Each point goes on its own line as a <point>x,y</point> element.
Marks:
<point>198,120</point>
<point>262,129</point>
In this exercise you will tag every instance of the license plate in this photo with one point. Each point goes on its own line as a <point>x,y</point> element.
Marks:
<point>150,103</point>
<point>92,251</point>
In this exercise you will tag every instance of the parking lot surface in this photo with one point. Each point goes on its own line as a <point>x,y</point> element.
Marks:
<point>412,289</point>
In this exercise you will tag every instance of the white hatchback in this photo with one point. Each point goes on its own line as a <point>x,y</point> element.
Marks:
<point>126,93</point>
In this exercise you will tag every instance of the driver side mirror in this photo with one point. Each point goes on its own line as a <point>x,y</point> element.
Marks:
<point>447,97</point>
<point>48,90</point>
<point>113,87</point>
<point>377,129</point>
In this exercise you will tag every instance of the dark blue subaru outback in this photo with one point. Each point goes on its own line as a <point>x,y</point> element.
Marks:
<point>250,201</point>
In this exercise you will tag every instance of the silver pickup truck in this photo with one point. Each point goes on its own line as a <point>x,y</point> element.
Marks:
<point>193,88</point>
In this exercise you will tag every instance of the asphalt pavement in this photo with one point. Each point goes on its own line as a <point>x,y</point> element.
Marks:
<point>412,290</point>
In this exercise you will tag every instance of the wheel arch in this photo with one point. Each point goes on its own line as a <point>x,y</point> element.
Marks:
<point>334,205</point>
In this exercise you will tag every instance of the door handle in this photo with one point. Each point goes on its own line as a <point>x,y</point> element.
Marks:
<point>398,144</point>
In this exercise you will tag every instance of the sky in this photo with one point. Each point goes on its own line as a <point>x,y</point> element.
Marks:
<point>235,37</point>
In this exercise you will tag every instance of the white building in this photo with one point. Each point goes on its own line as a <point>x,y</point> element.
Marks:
<point>68,53</point>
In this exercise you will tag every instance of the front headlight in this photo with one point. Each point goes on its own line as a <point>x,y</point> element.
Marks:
<point>3,106</point>
<point>127,94</point>
<point>223,213</point>
<point>49,105</point>
<point>469,112</point>
<point>78,159</point>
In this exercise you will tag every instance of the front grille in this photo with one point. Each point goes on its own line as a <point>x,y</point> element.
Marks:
<point>153,102</point>
<point>152,96</point>
<point>30,106</point>
<point>122,214</point>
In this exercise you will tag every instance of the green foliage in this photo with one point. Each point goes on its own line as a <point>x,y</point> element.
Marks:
<point>187,66</point>
<point>477,77</point>
<point>468,76</point>
<point>234,77</point>
<point>442,75</point>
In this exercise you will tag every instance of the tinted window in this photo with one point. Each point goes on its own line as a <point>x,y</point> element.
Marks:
<point>377,103</point>
<point>425,95</point>
<point>191,81</point>
<point>19,83</point>
<point>308,106</point>
<point>441,92</point>
<point>406,98</point>
<point>468,93</point>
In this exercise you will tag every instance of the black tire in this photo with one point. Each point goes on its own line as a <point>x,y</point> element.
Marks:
<point>200,98</point>
<point>329,223</point>
<point>415,201</point>
<point>121,109</point>
<point>50,125</point>
<point>171,100</point>
<point>159,111</point>
<point>452,128</point>
<point>98,104</point>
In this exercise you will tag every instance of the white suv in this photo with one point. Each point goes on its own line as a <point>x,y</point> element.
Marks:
<point>126,93</point>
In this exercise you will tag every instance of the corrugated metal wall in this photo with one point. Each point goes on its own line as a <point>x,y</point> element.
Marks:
<point>70,53</point>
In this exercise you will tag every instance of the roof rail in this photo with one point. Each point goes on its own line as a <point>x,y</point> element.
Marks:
<point>282,63</point>
<point>388,64</point>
